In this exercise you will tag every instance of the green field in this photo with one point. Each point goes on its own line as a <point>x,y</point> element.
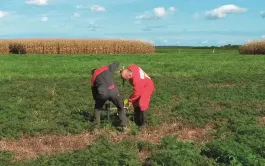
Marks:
<point>222,94</point>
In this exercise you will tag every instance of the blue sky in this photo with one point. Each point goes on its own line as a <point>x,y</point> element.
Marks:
<point>170,22</point>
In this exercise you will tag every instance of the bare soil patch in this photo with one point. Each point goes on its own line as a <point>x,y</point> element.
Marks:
<point>143,155</point>
<point>27,148</point>
<point>218,107</point>
<point>261,121</point>
<point>30,147</point>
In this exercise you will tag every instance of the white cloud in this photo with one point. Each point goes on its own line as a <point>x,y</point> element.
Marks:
<point>223,11</point>
<point>97,8</point>
<point>165,41</point>
<point>172,9</point>
<point>44,19</point>
<point>263,36</point>
<point>205,42</point>
<point>37,2</point>
<point>195,16</point>
<point>76,15</point>
<point>145,16</point>
<point>78,6</point>
<point>3,14</point>
<point>262,14</point>
<point>159,12</point>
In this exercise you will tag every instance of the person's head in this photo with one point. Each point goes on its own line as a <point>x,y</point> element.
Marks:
<point>126,74</point>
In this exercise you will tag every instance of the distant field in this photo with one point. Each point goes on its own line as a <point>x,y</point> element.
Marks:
<point>195,89</point>
<point>74,46</point>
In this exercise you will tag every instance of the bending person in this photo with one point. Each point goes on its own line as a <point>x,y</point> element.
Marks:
<point>103,89</point>
<point>143,87</point>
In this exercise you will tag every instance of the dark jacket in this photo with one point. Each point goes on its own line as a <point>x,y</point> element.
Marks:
<point>102,82</point>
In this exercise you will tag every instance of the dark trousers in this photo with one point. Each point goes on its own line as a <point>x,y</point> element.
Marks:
<point>140,116</point>
<point>116,100</point>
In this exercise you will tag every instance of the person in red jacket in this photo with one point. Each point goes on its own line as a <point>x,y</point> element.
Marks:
<point>143,87</point>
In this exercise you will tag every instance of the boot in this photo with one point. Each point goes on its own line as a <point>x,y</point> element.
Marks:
<point>137,115</point>
<point>143,118</point>
<point>97,117</point>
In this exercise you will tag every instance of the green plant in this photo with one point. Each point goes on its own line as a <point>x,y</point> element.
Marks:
<point>230,152</point>
<point>172,152</point>
<point>5,157</point>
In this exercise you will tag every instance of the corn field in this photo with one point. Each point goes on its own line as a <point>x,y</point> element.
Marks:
<point>74,46</point>
<point>255,47</point>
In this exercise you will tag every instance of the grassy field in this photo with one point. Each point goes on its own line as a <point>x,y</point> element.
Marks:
<point>221,94</point>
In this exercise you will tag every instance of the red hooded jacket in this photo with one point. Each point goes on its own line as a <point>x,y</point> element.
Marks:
<point>140,82</point>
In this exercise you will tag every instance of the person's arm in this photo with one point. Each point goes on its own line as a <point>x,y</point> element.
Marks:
<point>137,91</point>
<point>113,66</point>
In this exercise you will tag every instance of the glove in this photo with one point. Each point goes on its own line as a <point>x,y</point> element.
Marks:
<point>125,102</point>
